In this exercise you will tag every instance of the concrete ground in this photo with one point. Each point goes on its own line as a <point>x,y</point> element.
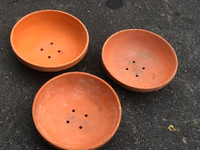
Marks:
<point>146,117</point>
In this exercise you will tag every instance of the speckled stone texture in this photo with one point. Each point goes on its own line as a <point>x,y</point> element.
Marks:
<point>146,117</point>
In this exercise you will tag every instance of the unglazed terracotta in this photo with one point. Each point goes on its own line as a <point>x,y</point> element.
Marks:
<point>139,60</point>
<point>49,40</point>
<point>76,111</point>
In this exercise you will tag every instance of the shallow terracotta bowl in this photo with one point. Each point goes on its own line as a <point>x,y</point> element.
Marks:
<point>76,111</point>
<point>49,40</point>
<point>139,60</point>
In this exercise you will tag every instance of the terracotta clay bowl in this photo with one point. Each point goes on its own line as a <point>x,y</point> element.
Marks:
<point>76,111</point>
<point>49,40</point>
<point>139,60</point>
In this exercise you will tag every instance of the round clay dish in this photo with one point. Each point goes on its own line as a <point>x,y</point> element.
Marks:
<point>49,40</point>
<point>139,60</point>
<point>76,111</point>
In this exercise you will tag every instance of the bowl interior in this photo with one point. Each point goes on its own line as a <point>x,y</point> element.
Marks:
<point>139,59</point>
<point>76,111</point>
<point>49,38</point>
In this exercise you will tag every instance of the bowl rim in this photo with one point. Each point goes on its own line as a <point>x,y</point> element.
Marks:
<point>135,88</point>
<point>70,63</point>
<point>91,76</point>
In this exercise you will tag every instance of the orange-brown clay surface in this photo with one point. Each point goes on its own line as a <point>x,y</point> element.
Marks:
<point>139,60</point>
<point>76,111</point>
<point>49,40</point>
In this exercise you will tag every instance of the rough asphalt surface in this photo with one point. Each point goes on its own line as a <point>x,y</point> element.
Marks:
<point>146,117</point>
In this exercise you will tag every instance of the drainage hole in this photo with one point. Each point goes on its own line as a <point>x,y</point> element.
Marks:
<point>59,51</point>
<point>86,115</point>
<point>136,75</point>
<point>143,68</point>
<point>49,57</point>
<point>67,121</point>
<point>80,127</point>
<point>41,49</point>
<point>51,43</point>
<point>73,110</point>
<point>126,68</point>
<point>133,61</point>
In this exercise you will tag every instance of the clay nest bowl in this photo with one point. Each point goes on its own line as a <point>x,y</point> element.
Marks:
<point>76,111</point>
<point>139,60</point>
<point>49,40</point>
